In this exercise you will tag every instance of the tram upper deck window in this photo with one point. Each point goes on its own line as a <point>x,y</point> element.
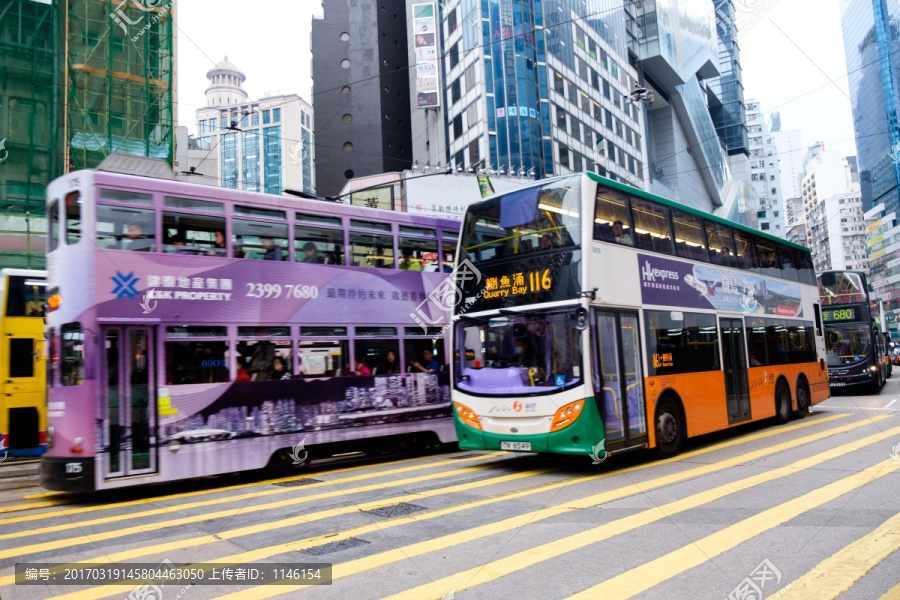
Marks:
<point>73,217</point>
<point>259,240</point>
<point>193,234</point>
<point>123,228</point>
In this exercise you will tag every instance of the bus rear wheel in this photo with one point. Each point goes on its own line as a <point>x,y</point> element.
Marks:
<point>802,401</point>
<point>782,403</point>
<point>669,429</point>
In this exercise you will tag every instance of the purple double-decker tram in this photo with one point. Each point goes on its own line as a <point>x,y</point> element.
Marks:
<point>196,330</point>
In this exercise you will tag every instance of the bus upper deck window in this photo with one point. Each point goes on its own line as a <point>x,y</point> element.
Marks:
<point>73,217</point>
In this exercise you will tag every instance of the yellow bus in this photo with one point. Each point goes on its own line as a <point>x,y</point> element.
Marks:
<point>23,368</point>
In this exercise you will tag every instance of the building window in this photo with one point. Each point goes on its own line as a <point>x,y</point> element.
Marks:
<point>764,226</point>
<point>457,126</point>
<point>455,91</point>
<point>561,119</point>
<point>266,117</point>
<point>276,115</point>
<point>229,161</point>
<point>564,156</point>
<point>272,159</point>
<point>203,126</point>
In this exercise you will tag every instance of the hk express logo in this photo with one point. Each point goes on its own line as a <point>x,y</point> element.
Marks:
<point>652,274</point>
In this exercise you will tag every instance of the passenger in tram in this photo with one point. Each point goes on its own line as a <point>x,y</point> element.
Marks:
<point>139,242</point>
<point>279,370</point>
<point>242,374</point>
<point>218,248</point>
<point>272,252</point>
<point>361,368</point>
<point>431,365</point>
<point>408,264</point>
<point>392,365</point>
<point>311,253</point>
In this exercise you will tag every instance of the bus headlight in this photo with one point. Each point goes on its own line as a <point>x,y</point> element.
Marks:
<point>566,415</point>
<point>467,415</point>
<point>50,436</point>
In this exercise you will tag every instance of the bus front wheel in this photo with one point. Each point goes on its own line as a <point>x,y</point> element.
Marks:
<point>669,429</point>
<point>782,403</point>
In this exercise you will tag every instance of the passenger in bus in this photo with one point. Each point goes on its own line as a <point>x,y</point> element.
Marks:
<point>547,242</point>
<point>279,371</point>
<point>311,253</point>
<point>361,368</point>
<point>391,365</point>
<point>139,242</point>
<point>619,235</point>
<point>408,263</point>
<point>218,248</point>
<point>272,252</point>
<point>431,365</point>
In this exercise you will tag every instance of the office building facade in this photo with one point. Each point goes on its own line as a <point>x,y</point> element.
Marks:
<point>264,145</point>
<point>872,52</point>
<point>361,91</point>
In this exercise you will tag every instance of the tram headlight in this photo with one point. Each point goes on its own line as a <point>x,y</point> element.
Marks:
<point>50,436</point>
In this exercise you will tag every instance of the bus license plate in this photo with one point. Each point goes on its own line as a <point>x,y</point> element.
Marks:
<point>836,384</point>
<point>520,446</point>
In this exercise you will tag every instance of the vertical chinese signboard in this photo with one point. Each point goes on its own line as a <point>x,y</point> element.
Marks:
<point>424,38</point>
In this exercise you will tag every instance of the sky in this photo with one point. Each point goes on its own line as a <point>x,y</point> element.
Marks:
<point>792,54</point>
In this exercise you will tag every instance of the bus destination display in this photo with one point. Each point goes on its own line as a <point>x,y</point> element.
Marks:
<point>831,315</point>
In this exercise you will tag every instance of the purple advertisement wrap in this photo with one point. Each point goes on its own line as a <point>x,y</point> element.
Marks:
<point>218,290</point>
<point>677,283</point>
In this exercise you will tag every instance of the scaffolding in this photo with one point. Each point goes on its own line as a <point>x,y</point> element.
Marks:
<point>79,80</point>
<point>29,131</point>
<point>119,75</point>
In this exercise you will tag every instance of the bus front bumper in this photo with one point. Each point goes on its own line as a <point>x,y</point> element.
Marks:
<point>579,438</point>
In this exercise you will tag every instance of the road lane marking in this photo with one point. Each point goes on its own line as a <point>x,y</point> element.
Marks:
<point>578,542</point>
<point>837,573</point>
<point>263,553</point>
<point>652,573</point>
<point>364,476</point>
<point>889,404</point>
<point>93,538</point>
<point>893,593</point>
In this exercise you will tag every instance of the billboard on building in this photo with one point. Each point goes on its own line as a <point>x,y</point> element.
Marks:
<point>382,198</point>
<point>424,27</point>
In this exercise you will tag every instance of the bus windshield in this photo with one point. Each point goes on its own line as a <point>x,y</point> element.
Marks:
<point>847,343</point>
<point>842,288</point>
<point>26,296</point>
<point>534,219</point>
<point>531,353</point>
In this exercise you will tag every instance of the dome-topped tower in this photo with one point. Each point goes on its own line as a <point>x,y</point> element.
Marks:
<point>225,81</point>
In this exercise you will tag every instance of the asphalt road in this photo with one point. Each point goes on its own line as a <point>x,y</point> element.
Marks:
<point>803,510</point>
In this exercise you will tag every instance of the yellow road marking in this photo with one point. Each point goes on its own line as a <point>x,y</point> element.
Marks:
<point>263,553</point>
<point>230,512</point>
<point>654,572</point>
<point>544,552</point>
<point>893,593</point>
<point>85,509</point>
<point>837,573</point>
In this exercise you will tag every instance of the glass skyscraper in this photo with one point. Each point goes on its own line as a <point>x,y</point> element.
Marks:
<point>872,50</point>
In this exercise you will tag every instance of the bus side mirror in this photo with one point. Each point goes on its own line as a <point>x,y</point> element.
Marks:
<point>581,319</point>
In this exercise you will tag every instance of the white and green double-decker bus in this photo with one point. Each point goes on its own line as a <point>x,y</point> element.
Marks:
<point>597,318</point>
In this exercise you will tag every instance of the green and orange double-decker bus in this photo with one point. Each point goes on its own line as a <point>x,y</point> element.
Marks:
<point>594,317</point>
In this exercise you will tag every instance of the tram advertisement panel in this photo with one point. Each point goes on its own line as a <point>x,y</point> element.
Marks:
<point>683,284</point>
<point>251,291</point>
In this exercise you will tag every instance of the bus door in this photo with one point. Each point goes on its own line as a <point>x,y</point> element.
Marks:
<point>734,361</point>
<point>129,405</point>
<point>619,379</point>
